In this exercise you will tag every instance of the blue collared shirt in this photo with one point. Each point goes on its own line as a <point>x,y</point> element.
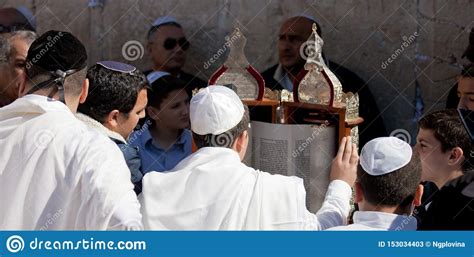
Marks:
<point>156,158</point>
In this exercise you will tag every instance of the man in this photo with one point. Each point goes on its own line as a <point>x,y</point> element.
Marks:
<point>387,187</point>
<point>466,88</point>
<point>293,33</point>
<point>12,70</point>
<point>167,46</point>
<point>56,166</point>
<point>445,151</point>
<point>213,190</point>
<point>453,96</point>
<point>116,101</point>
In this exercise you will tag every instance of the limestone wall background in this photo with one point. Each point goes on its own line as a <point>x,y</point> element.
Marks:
<point>361,35</point>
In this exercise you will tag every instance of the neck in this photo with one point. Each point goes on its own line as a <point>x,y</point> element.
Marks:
<point>164,136</point>
<point>387,209</point>
<point>442,180</point>
<point>72,104</point>
<point>173,72</point>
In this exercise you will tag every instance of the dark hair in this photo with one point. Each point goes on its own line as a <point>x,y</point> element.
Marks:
<point>448,129</point>
<point>225,139</point>
<point>4,49</point>
<point>111,90</point>
<point>162,87</point>
<point>397,188</point>
<point>153,29</point>
<point>468,71</point>
<point>53,51</point>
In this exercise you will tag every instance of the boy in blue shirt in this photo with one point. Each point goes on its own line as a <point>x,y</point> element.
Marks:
<point>165,139</point>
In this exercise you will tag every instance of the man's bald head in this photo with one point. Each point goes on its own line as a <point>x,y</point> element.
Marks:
<point>293,33</point>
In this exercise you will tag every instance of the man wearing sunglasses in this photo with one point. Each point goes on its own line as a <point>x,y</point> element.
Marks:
<point>167,46</point>
<point>53,165</point>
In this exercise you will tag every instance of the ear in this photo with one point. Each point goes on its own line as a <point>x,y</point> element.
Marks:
<point>22,86</point>
<point>241,143</point>
<point>111,121</point>
<point>418,195</point>
<point>84,92</point>
<point>152,112</point>
<point>359,195</point>
<point>456,157</point>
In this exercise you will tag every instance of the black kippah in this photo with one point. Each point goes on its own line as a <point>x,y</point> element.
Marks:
<point>57,50</point>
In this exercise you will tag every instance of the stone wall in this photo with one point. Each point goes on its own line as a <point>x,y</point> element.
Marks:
<point>422,38</point>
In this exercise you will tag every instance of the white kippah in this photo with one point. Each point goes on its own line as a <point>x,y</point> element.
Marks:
<point>215,110</point>
<point>383,155</point>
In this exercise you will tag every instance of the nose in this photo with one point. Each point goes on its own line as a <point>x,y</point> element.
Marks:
<point>185,110</point>
<point>416,147</point>
<point>462,103</point>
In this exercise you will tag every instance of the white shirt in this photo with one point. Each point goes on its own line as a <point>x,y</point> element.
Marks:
<point>282,77</point>
<point>373,220</point>
<point>213,190</point>
<point>55,173</point>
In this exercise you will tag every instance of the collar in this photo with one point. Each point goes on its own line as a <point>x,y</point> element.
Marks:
<point>385,221</point>
<point>44,103</point>
<point>147,138</point>
<point>91,123</point>
<point>282,77</point>
<point>154,75</point>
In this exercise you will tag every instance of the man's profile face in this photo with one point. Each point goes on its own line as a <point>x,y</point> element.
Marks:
<point>171,59</point>
<point>126,123</point>
<point>466,93</point>
<point>293,33</point>
<point>433,159</point>
<point>12,73</point>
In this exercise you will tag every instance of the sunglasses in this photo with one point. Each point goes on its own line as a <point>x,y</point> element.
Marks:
<point>118,67</point>
<point>170,43</point>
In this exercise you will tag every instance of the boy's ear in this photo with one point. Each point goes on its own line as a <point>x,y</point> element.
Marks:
<point>456,157</point>
<point>241,144</point>
<point>418,195</point>
<point>152,112</point>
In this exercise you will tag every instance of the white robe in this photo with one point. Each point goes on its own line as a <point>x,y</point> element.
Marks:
<point>374,220</point>
<point>55,173</point>
<point>213,190</point>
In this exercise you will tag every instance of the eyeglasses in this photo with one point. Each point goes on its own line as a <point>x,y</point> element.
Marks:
<point>118,67</point>
<point>170,43</point>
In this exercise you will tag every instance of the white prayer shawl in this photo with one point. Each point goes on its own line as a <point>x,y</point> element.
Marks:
<point>373,220</point>
<point>213,190</point>
<point>55,173</point>
<point>93,124</point>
